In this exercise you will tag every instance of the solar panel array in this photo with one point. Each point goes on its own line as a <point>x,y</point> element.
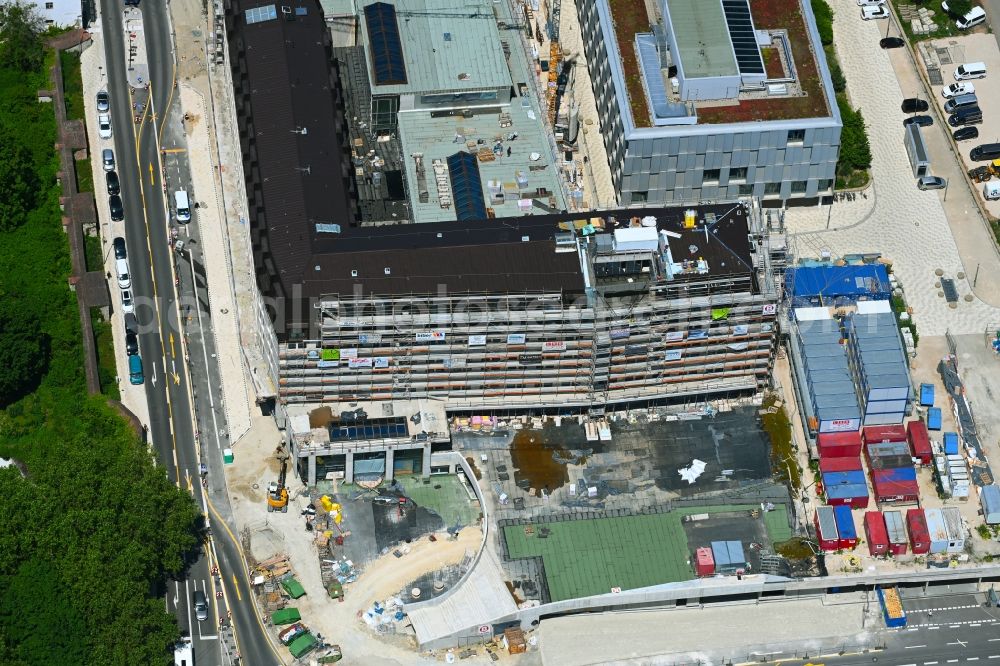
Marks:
<point>741,33</point>
<point>385,44</point>
<point>261,14</point>
<point>466,187</point>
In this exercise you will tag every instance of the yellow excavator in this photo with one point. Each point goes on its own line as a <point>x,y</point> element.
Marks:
<point>277,493</point>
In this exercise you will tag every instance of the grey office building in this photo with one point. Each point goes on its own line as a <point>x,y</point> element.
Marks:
<point>722,99</point>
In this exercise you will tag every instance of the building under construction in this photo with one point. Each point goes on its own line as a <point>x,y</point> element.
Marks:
<point>555,311</point>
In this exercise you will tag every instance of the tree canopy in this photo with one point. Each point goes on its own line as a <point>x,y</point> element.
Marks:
<point>90,537</point>
<point>21,28</point>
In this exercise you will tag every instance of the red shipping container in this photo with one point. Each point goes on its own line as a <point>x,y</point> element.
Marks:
<point>704,563</point>
<point>853,502</point>
<point>826,528</point>
<point>920,441</point>
<point>849,464</point>
<point>878,539</point>
<point>920,538</point>
<point>883,433</point>
<point>839,444</point>
<point>890,489</point>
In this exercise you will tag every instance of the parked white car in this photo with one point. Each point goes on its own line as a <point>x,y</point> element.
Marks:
<point>128,306</point>
<point>871,12</point>
<point>975,16</point>
<point>121,268</point>
<point>104,126</point>
<point>956,89</point>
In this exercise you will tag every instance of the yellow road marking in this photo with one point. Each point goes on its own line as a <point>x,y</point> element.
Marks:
<point>172,354</point>
<point>239,549</point>
<point>170,98</point>
<point>236,585</point>
<point>177,378</point>
<point>151,182</point>
<point>175,150</point>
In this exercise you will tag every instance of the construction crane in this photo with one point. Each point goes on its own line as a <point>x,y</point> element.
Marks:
<point>277,492</point>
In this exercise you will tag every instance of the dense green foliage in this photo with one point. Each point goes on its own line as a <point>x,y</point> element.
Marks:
<point>23,349</point>
<point>824,21</point>
<point>836,73</point>
<point>21,26</point>
<point>90,537</point>
<point>855,151</point>
<point>20,181</point>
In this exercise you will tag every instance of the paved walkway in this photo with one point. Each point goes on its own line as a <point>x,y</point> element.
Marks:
<point>908,226</point>
<point>215,256</point>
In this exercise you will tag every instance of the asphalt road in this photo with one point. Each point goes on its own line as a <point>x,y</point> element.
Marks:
<point>146,233</point>
<point>162,279</point>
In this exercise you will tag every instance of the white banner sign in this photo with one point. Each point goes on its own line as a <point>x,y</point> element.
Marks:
<point>351,352</point>
<point>359,363</point>
<point>554,345</point>
<point>674,354</point>
<point>477,340</point>
<point>516,339</point>
<point>673,336</point>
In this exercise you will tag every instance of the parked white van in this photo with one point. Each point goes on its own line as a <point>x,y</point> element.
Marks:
<point>975,16</point>
<point>970,70</point>
<point>182,205</point>
<point>991,190</point>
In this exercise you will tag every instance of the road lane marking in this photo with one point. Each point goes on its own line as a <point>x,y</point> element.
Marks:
<point>974,624</point>
<point>236,584</point>
<point>972,658</point>
<point>170,98</point>
<point>993,640</point>
<point>152,183</point>
<point>913,647</point>
<point>929,663</point>
<point>994,656</point>
<point>952,661</point>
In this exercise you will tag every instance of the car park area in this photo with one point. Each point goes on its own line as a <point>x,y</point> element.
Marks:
<point>951,53</point>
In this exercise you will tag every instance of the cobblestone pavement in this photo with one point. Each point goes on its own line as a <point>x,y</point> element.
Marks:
<point>907,226</point>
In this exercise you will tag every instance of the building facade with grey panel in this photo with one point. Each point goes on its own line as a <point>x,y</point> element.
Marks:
<point>679,154</point>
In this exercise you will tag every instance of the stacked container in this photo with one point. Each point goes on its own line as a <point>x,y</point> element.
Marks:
<point>846,488</point>
<point>891,466</point>
<point>848,533</point>
<point>875,532</point>
<point>879,364</point>
<point>821,359</point>
<point>845,444</point>
<point>852,464</point>
<point>916,523</point>
<point>920,441</point>
<point>728,556</point>
<point>895,530</point>
<point>826,528</point>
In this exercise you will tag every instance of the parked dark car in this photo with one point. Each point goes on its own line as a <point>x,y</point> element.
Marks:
<point>914,105</point>
<point>131,343</point>
<point>967,116</point>
<point>965,133</point>
<point>120,251</point>
<point>114,185</point>
<point>891,43</point>
<point>116,207</point>
<point>923,121</point>
<point>986,152</point>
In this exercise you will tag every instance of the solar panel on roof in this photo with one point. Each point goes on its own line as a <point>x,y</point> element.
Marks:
<point>466,186</point>
<point>385,45</point>
<point>261,14</point>
<point>742,35</point>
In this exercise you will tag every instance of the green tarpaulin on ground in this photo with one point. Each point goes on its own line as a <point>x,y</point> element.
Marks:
<point>293,588</point>
<point>302,644</point>
<point>285,616</point>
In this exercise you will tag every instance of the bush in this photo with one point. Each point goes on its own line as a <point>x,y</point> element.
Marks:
<point>824,21</point>
<point>855,151</point>
<point>836,73</point>
<point>958,8</point>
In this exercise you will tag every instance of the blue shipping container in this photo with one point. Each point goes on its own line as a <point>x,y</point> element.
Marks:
<point>845,522</point>
<point>847,491</point>
<point>951,443</point>
<point>843,478</point>
<point>720,553</point>
<point>901,474</point>
<point>927,395</point>
<point>934,418</point>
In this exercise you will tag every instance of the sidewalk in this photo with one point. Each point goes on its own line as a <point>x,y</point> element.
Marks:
<point>908,226</point>
<point>212,252</point>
